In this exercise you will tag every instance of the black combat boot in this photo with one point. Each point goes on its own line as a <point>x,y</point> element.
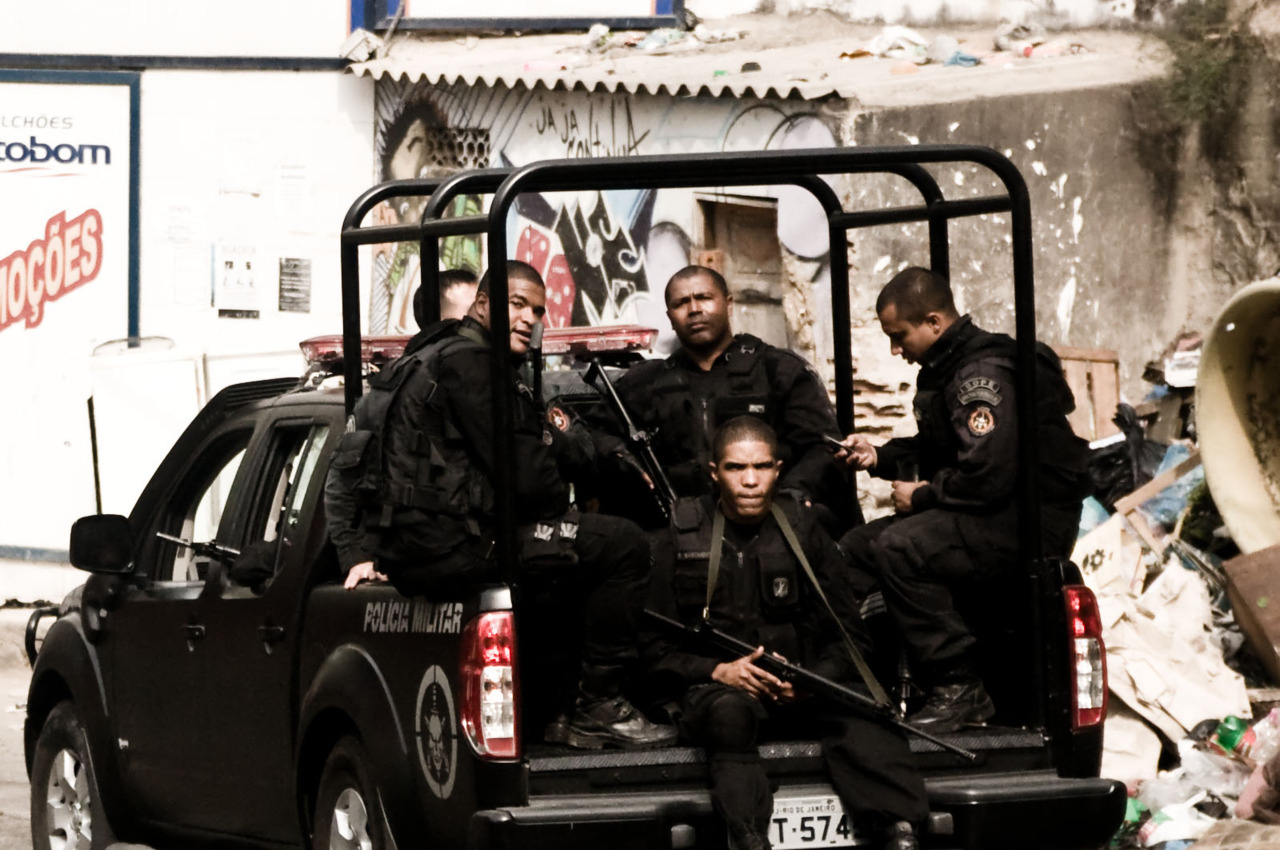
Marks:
<point>959,700</point>
<point>603,717</point>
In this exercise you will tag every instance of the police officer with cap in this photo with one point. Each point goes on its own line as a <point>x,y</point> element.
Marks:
<point>954,483</point>
<point>765,572</point>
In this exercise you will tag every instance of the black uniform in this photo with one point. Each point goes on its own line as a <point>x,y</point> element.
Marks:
<point>963,523</point>
<point>763,596</point>
<point>608,556</point>
<point>680,405</point>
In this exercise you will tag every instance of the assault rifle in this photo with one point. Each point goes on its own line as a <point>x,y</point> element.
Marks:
<point>637,438</point>
<point>729,646</point>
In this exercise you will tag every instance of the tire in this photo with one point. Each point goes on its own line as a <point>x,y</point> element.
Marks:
<point>66,807</point>
<point>348,812</point>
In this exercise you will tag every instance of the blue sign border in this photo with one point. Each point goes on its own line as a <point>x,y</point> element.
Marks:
<point>378,15</point>
<point>133,80</point>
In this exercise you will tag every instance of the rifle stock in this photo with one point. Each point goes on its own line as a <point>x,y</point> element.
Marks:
<point>636,438</point>
<point>805,680</point>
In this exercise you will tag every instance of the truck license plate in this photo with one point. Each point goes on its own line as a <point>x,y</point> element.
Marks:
<point>809,822</point>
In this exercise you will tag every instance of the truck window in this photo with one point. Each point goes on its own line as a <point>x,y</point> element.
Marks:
<point>198,516</point>
<point>296,450</point>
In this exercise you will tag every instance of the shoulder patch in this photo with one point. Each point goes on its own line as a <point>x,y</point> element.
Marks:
<point>986,390</point>
<point>981,421</point>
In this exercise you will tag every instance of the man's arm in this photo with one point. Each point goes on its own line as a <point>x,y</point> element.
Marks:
<point>341,512</point>
<point>806,418</point>
<point>467,391</point>
<point>831,566</point>
<point>986,429</point>
<point>663,653</point>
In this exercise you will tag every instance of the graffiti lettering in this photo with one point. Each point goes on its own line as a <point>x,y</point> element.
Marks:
<point>603,261</point>
<point>614,135</point>
<point>69,256</point>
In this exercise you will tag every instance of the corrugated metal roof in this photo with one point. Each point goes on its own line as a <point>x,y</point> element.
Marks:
<point>801,65</point>
<point>557,62</point>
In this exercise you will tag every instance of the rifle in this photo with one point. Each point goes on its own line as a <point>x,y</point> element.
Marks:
<point>637,438</point>
<point>806,680</point>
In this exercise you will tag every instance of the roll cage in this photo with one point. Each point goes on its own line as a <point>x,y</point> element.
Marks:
<point>802,168</point>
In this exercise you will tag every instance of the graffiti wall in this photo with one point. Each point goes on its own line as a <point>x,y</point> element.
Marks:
<point>605,255</point>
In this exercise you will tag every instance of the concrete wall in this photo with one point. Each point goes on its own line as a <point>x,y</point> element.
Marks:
<point>1101,203</point>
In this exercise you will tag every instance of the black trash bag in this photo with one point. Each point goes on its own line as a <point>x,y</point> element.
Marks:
<point>1123,466</point>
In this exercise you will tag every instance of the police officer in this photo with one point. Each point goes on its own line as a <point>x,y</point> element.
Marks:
<point>954,485</point>
<point>714,376</point>
<point>759,591</point>
<point>353,543</point>
<point>441,537</point>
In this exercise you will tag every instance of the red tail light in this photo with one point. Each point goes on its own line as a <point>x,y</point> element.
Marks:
<point>1088,658</point>
<point>489,685</point>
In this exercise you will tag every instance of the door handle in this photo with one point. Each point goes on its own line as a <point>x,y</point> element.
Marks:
<point>271,634</point>
<point>194,632</point>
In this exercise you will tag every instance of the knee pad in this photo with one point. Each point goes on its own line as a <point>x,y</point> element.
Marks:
<point>733,722</point>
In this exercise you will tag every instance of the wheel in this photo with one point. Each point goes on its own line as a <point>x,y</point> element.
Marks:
<point>66,809</point>
<point>347,816</point>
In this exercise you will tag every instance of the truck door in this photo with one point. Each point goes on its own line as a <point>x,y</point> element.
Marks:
<point>153,640</point>
<point>251,646</point>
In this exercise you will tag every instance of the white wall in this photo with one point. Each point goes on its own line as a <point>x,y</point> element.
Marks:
<point>253,164</point>
<point>153,27</point>
<point>260,165</point>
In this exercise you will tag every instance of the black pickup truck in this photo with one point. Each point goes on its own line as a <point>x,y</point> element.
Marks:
<point>212,684</point>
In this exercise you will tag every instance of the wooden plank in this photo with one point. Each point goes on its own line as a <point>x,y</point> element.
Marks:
<point>1106,398</point>
<point>1097,355</point>
<point>1155,485</point>
<point>1081,419</point>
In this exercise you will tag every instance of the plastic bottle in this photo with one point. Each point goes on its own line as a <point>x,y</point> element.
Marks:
<point>1266,734</point>
<point>1234,735</point>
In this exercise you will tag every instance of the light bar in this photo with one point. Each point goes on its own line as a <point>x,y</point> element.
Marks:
<point>593,340</point>
<point>326,351</point>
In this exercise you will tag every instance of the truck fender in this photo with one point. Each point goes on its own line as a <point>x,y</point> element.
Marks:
<point>349,694</point>
<point>68,668</point>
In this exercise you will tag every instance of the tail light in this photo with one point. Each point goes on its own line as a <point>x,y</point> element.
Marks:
<point>489,685</point>
<point>1088,658</point>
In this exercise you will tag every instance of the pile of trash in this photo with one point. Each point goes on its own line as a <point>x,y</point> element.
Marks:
<point>1193,726</point>
<point>1010,42</point>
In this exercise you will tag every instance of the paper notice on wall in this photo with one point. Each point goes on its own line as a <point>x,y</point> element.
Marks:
<point>295,285</point>
<point>236,283</point>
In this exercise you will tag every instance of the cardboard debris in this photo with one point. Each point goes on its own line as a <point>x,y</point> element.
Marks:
<point>1161,661</point>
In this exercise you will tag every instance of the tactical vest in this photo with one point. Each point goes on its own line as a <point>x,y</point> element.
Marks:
<point>763,611</point>
<point>408,464</point>
<point>682,425</point>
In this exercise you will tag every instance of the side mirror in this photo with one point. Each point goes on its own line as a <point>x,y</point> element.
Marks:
<point>102,543</point>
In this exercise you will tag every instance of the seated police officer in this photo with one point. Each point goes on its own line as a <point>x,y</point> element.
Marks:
<point>953,485</point>
<point>714,376</point>
<point>435,530</point>
<point>729,560</point>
